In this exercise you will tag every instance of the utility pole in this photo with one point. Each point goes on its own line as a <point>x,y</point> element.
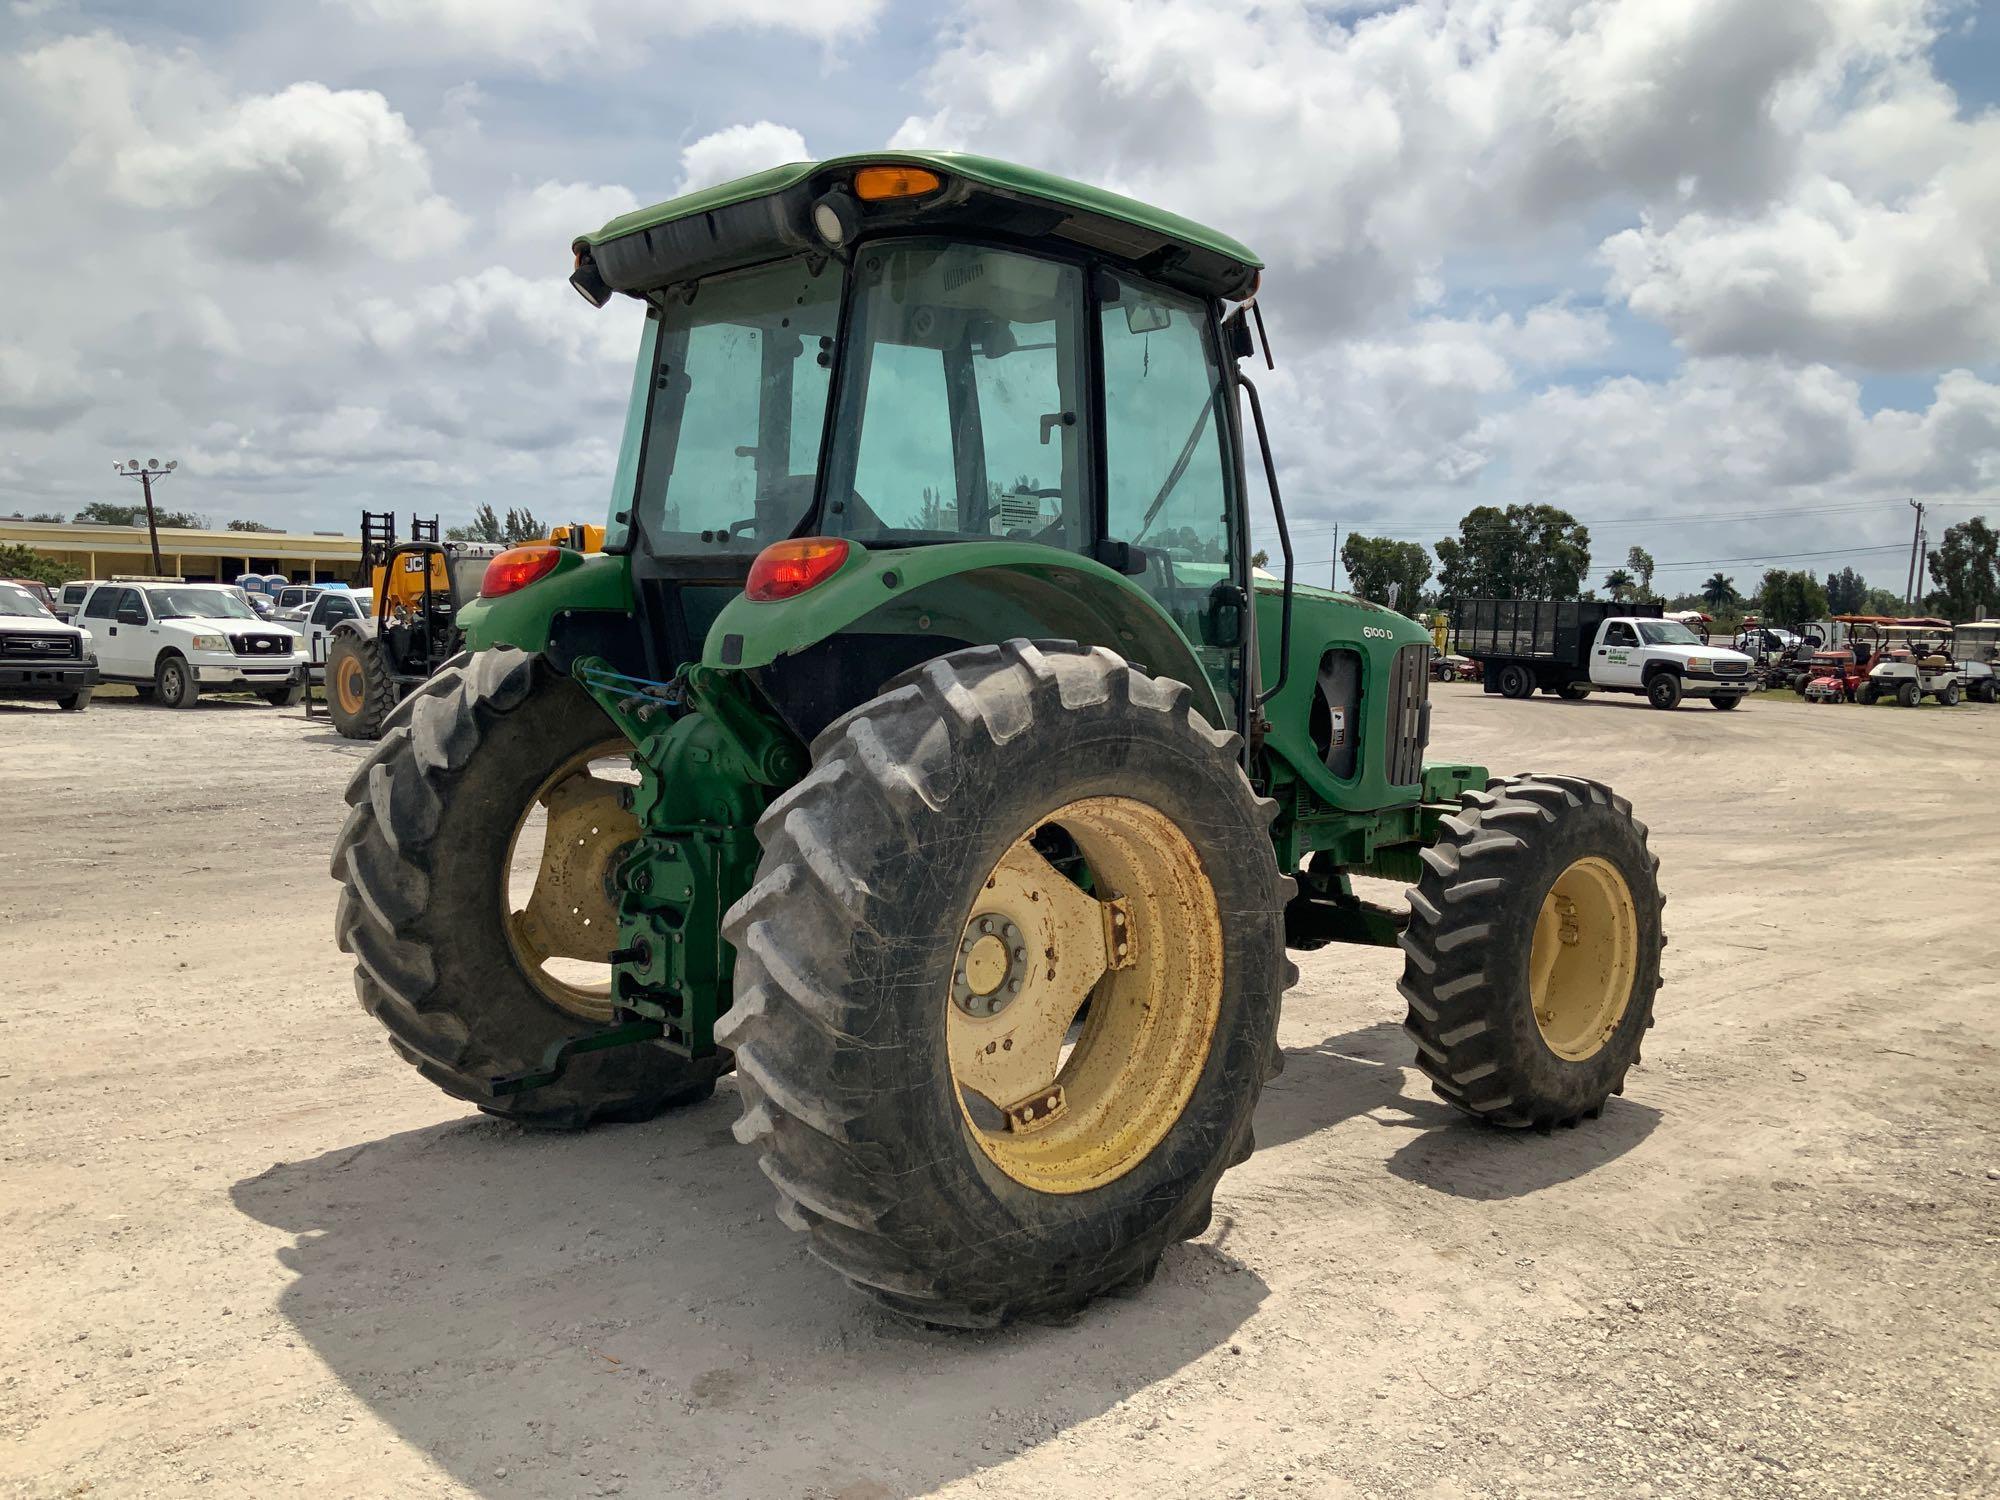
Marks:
<point>146,474</point>
<point>1336,557</point>
<point>1916,553</point>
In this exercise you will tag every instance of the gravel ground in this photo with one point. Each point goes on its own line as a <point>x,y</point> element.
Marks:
<point>244,1250</point>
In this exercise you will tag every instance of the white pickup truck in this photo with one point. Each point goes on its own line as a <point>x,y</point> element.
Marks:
<point>176,641</point>
<point>1571,648</point>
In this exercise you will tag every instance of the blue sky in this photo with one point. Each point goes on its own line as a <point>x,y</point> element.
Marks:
<point>1718,276</point>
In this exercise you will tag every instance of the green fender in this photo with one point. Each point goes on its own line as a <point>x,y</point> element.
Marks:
<point>581,581</point>
<point>969,592</point>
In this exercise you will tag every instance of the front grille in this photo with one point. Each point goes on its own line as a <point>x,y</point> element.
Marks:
<point>1732,668</point>
<point>260,645</point>
<point>1409,717</point>
<point>41,646</point>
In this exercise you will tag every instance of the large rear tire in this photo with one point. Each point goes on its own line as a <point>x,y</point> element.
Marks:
<point>360,691</point>
<point>423,864</point>
<point>1532,956</point>
<point>1516,681</point>
<point>943,828</point>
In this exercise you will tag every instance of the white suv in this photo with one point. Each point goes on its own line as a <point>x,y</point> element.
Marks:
<point>179,640</point>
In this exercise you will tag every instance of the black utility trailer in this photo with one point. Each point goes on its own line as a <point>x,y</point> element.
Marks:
<point>1536,643</point>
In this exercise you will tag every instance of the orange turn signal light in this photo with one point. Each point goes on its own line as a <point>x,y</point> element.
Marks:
<point>518,567</point>
<point>873,184</point>
<point>787,569</point>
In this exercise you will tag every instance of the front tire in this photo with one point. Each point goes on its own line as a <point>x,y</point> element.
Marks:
<point>174,682</point>
<point>1532,955</point>
<point>1908,694</point>
<point>423,864</point>
<point>1725,700</point>
<point>1866,694</point>
<point>1664,691</point>
<point>859,984</point>
<point>75,702</point>
<point>1949,697</point>
<point>360,690</point>
<point>288,696</point>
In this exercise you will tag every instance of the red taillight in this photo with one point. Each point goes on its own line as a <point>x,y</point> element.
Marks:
<point>786,569</point>
<point>516,568</point>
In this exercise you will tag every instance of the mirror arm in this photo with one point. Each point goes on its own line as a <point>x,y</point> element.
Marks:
<point>1284,542</point>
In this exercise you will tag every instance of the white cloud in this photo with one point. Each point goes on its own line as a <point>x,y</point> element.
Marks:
<point>496,315</point>
<point>546,37</point>
<point>299,174</point>
<point>552,214</point>
<point>738,151</point>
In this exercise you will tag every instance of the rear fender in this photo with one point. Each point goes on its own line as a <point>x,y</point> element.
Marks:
<point>914,604</point>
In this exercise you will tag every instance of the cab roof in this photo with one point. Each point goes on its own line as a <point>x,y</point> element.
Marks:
<point>769,214</point>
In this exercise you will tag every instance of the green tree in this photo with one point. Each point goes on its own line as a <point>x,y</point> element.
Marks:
<point>105,513</point>
<point>485,526</point>
<point>26,562</point>
<point>1641,564</point>
<point>1788,598</point>
<point>1383,571</point>
<point>1618,583</point>
<point>1845,592</point>
<point>521,526</point>
<point>1966,569</point>
<point>1260,558</point>
<point>250,526</point>
<point>1719,593</point>
<point>1522,552</point>
<point>1881,602</point>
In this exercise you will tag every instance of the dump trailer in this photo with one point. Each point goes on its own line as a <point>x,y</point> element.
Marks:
<point>924,748</point>
<point>1570,648</point>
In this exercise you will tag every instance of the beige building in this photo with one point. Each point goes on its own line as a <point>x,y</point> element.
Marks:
<point>100,551</point>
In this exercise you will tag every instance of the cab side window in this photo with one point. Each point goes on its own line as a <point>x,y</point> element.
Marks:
<point>103,604</point>
<point>1618,633</point>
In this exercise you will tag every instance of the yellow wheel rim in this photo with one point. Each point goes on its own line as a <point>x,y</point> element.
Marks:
<point>1060,1098</point>
<point>347,684</point>
<point>563,930</point>
<point>1584,959</point>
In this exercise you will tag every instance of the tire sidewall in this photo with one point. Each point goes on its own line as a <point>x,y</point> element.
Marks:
<point>905,955</point>
<point>1516,681</point>
<point>1590,830</point>
<point>170,668</point>
<point>1664,691</point>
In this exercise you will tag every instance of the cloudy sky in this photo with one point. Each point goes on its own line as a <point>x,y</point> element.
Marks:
<point>1720,276</point>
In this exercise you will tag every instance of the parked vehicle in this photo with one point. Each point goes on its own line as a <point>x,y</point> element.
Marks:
<point>175,641</point>
<point>1846,667</point>
<point>41,656</point>
<point>317,621</point>
<point>1910,659</point>
<point>292,602</point>
<point>69,598</point>
<point>418,587</point>
<point>1570,648</point>
<point>1976,648</point>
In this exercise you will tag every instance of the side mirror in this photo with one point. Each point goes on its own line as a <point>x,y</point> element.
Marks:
<point>1222,621</point>
<point>1120,557</point>
<point>1236,336</point>
<point>1147,317</point>
<point>131,615</point>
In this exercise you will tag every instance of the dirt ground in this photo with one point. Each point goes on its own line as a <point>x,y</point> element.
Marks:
<point>245,1251</point>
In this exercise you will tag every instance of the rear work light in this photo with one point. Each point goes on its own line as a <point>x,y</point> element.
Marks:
<point>785,570</point>
<point>518,567</point>
<point>873,184</point>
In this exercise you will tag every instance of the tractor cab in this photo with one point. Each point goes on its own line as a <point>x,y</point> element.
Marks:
<point>846,364</point>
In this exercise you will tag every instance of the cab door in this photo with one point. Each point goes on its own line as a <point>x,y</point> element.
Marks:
<point>1617,660</point>
<point>1169,478</point>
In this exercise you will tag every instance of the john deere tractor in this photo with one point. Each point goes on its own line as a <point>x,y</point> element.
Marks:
<point>923,747</point>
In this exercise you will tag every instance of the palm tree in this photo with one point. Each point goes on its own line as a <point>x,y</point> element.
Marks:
<point>1619,582</point>
<point>1720,592</point>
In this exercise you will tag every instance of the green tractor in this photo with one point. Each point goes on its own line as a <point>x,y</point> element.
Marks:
<point>924,748</point>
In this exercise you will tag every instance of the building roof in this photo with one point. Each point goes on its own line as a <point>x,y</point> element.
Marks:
<point>72,536</point>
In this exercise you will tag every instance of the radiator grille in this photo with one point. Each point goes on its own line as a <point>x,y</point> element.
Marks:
<point>260,645</point>
<point>40,646</point>
<point>1409,717</point>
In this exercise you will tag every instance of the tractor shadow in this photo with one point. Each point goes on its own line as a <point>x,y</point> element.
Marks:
<point>1367,1074</point>
<point>622,1311</point>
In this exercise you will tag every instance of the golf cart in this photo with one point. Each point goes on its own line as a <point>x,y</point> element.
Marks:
<point>1912,661</point>
<point>1975,646</point>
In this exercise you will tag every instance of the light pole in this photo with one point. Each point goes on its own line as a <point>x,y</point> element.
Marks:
<point>146,473</point>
